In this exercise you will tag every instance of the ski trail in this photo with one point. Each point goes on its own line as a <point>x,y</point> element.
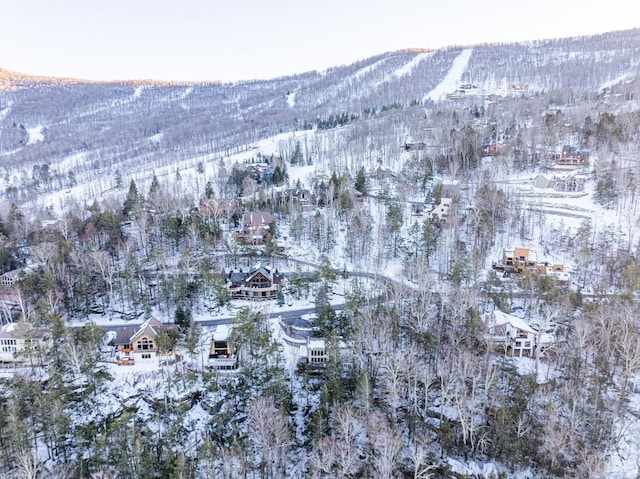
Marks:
<point>452,79</point>
<point>406,69</point>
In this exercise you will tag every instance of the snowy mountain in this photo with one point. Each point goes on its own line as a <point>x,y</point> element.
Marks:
<point>91,131</point>
<point>452,244</point>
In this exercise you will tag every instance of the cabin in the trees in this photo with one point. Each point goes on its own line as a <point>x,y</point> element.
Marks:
<point>510,334</point>
<point>260,283</point>
<point>22,343</point>
<point>565,184</point>
<point>140,344</point>
<point>571,156</point>
<point>298,197</point>
<point>494,149</point>
<point>8,291</point>
<point>441,210</point>
<point>257,226</point>
<point>222,356</point>
<point>314,353</point>
<point>518,259</point>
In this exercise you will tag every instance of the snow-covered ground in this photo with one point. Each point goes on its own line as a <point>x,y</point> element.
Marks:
<point>408,68</point>
<point>453,78</point>
<point>35,134</point>
<point>624,461</point>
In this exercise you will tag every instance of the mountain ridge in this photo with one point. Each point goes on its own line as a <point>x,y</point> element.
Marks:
<point>14,79</point>
<point>11,80</point>
<point>370,107</point>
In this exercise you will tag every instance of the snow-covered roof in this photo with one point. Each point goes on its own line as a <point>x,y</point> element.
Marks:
<point>498,318</point>
<point>221,332</point>
<point>151,328</point>
<point>315,343</point>
<point>21,330</point>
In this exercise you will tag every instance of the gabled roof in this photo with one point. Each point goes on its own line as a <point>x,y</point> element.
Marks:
<point>150,328</point>
<point>262,269</point>
<point>259,268</point>
<point>237,276</point>
<point>22,330</point>
<point>498,318</point>
<point>123,335</point>
<point>257,218</point>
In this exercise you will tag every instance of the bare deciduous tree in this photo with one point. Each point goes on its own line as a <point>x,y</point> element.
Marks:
<point>270,433</point>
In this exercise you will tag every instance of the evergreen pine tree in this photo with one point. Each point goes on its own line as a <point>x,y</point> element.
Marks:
<point>361,181</point>
<point>296,156</point>
<point>131,202</point>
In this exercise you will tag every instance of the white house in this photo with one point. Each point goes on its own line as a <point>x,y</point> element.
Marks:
<point>20,342</point>
<point>541,181</point>
<point>510,334</point>
<point>441,210</point>
<point>314,352</point>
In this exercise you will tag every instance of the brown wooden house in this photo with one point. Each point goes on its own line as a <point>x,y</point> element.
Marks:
<point>260,283</point>
<point>222,355</point>
<point>141,343</point>
<point>571,156</point>
<point>256,227</point>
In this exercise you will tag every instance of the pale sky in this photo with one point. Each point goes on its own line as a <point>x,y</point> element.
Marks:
<point>235,40</point>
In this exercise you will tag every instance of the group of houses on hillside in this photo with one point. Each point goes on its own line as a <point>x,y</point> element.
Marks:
<point>518,260</point>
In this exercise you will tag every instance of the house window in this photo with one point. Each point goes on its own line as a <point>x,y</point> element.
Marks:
<point>221,349</point>
<point>145,345</point>
<point>146,356</point>
<point>317,356</point>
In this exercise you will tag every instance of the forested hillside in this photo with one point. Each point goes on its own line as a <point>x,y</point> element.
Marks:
<point>455,230</point>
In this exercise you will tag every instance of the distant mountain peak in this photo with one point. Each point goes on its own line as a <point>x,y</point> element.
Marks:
<point>11,81</point>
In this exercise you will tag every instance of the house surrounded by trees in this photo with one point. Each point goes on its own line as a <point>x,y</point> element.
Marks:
<point>260,283</point>
<point>151,339</point>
